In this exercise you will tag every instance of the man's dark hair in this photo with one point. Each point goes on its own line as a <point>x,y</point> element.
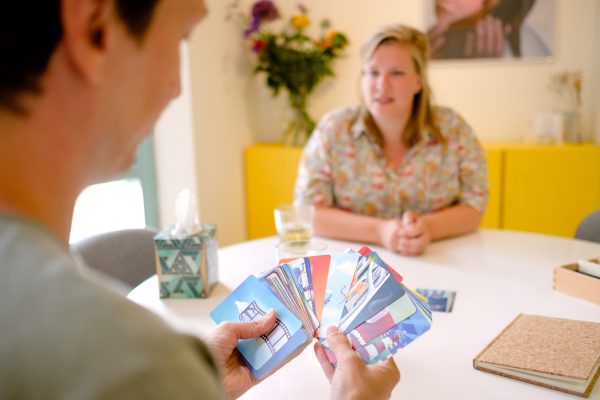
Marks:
<point>29,33</point>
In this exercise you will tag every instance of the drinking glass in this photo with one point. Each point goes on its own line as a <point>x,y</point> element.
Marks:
<point>300,248</point>
<point>294,223</point>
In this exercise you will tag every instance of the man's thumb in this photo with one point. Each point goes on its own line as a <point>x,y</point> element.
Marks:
<point>252,329</point>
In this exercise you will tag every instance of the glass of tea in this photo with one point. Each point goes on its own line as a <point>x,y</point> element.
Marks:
<point>294,222</point>
<point>300,248</point>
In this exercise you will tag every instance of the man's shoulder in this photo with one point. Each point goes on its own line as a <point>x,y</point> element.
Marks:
<point>56,318</point>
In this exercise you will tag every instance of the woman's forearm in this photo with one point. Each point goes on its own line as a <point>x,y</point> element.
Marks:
<point>344,225</point>
<point>452,221</point>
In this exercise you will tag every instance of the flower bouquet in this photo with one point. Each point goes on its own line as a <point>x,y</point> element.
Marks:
<point>290,58</point>
<point>567,85</point>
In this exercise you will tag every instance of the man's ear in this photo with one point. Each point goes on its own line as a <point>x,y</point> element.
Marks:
<point>86,35</point>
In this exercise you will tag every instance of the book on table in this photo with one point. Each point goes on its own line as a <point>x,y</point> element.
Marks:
<point>556,353</point>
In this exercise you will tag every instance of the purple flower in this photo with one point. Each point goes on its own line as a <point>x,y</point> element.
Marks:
<point>264,10</point>
<point>252,28</point>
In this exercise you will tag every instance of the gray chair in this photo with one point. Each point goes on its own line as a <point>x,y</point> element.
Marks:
<point>127,255</point>
<point>589,228</point>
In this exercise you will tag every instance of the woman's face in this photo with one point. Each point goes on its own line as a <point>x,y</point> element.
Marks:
<point>389,81</point>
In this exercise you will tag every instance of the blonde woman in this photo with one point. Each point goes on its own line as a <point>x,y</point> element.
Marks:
<point>395,171</point>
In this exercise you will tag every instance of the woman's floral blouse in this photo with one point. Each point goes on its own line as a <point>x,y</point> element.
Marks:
<point>343,167</point>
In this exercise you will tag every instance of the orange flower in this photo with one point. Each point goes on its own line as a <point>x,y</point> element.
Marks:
<point>331,35</point>
<point>332,39</point>
<point>326,43</point>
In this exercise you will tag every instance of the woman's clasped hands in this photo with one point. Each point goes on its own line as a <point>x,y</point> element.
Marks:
<point>408,235</point>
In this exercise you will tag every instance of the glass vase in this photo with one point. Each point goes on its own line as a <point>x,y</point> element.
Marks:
<point>571,127</point>
<point>301,125</point>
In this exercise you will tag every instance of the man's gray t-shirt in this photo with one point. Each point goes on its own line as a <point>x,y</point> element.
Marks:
<point>69,335</point>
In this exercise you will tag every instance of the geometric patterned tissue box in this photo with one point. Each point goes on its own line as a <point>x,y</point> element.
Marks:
<point>187,267</point>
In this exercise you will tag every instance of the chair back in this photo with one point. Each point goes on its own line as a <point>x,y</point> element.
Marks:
<point>589,228</point>
<point>127,255</point>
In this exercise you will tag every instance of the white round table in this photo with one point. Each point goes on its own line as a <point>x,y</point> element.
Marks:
<point>496,274</point>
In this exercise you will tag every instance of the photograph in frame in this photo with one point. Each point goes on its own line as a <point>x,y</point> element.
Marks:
<point>491,29</point>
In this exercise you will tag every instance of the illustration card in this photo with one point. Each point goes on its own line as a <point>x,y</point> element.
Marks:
<point>385,345</point>
<point>439,300</point>
<point>382,321</point>
<point>339,279</point>
<point>302,271</point>
<point>373,288</point>
<point>319,271</point>
<point>252,300</point>
<point>367,252</point>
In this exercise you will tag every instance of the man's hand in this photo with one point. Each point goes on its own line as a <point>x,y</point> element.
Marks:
<point>487,39</point>
<point>236,377</point>
<point>351,378</point>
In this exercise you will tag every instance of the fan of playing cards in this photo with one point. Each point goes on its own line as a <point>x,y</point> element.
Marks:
<point>356,291</point>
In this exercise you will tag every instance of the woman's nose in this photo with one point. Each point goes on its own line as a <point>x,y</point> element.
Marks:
<point>382,81</point>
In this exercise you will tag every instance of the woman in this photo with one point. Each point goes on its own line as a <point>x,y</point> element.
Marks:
<point>395,171</point>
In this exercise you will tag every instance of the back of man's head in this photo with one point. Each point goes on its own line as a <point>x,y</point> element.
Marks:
<point>29,33</point>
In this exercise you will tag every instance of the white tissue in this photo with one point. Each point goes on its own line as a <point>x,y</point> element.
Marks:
<point>186,212</point>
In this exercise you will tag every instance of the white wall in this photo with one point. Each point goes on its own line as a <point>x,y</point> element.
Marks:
<point>232,109</point>
<point>220,94</point>
<point>173,147</point>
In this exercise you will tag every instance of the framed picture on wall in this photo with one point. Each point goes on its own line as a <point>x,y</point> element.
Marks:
<point>496,29</point>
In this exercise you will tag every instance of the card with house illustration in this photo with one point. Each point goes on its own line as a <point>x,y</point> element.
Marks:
<point>251,300</point>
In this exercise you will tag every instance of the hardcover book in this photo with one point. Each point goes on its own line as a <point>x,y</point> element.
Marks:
<point>556,353</point>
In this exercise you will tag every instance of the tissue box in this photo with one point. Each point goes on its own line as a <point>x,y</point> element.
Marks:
<point>187,267</point>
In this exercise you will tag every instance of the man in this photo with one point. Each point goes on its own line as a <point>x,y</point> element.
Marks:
<point>81,83</point>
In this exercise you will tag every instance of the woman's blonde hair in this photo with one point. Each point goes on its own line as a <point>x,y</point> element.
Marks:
<point>422,117</point>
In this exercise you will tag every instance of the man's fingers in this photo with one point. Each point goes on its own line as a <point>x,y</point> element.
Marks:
<point>499,39</point>
<point>479,38</point>
<point>470,44</point>
<point>252,329</point>
<point>338,342</point>
<point>326,366</point>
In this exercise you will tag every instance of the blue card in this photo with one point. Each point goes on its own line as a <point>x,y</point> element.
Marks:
<point>297,341</point>
<point>341,271</point>
<point>422,305</point>
<point>253,300</point>
<point>439,300</point>
<point>373,289</point>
